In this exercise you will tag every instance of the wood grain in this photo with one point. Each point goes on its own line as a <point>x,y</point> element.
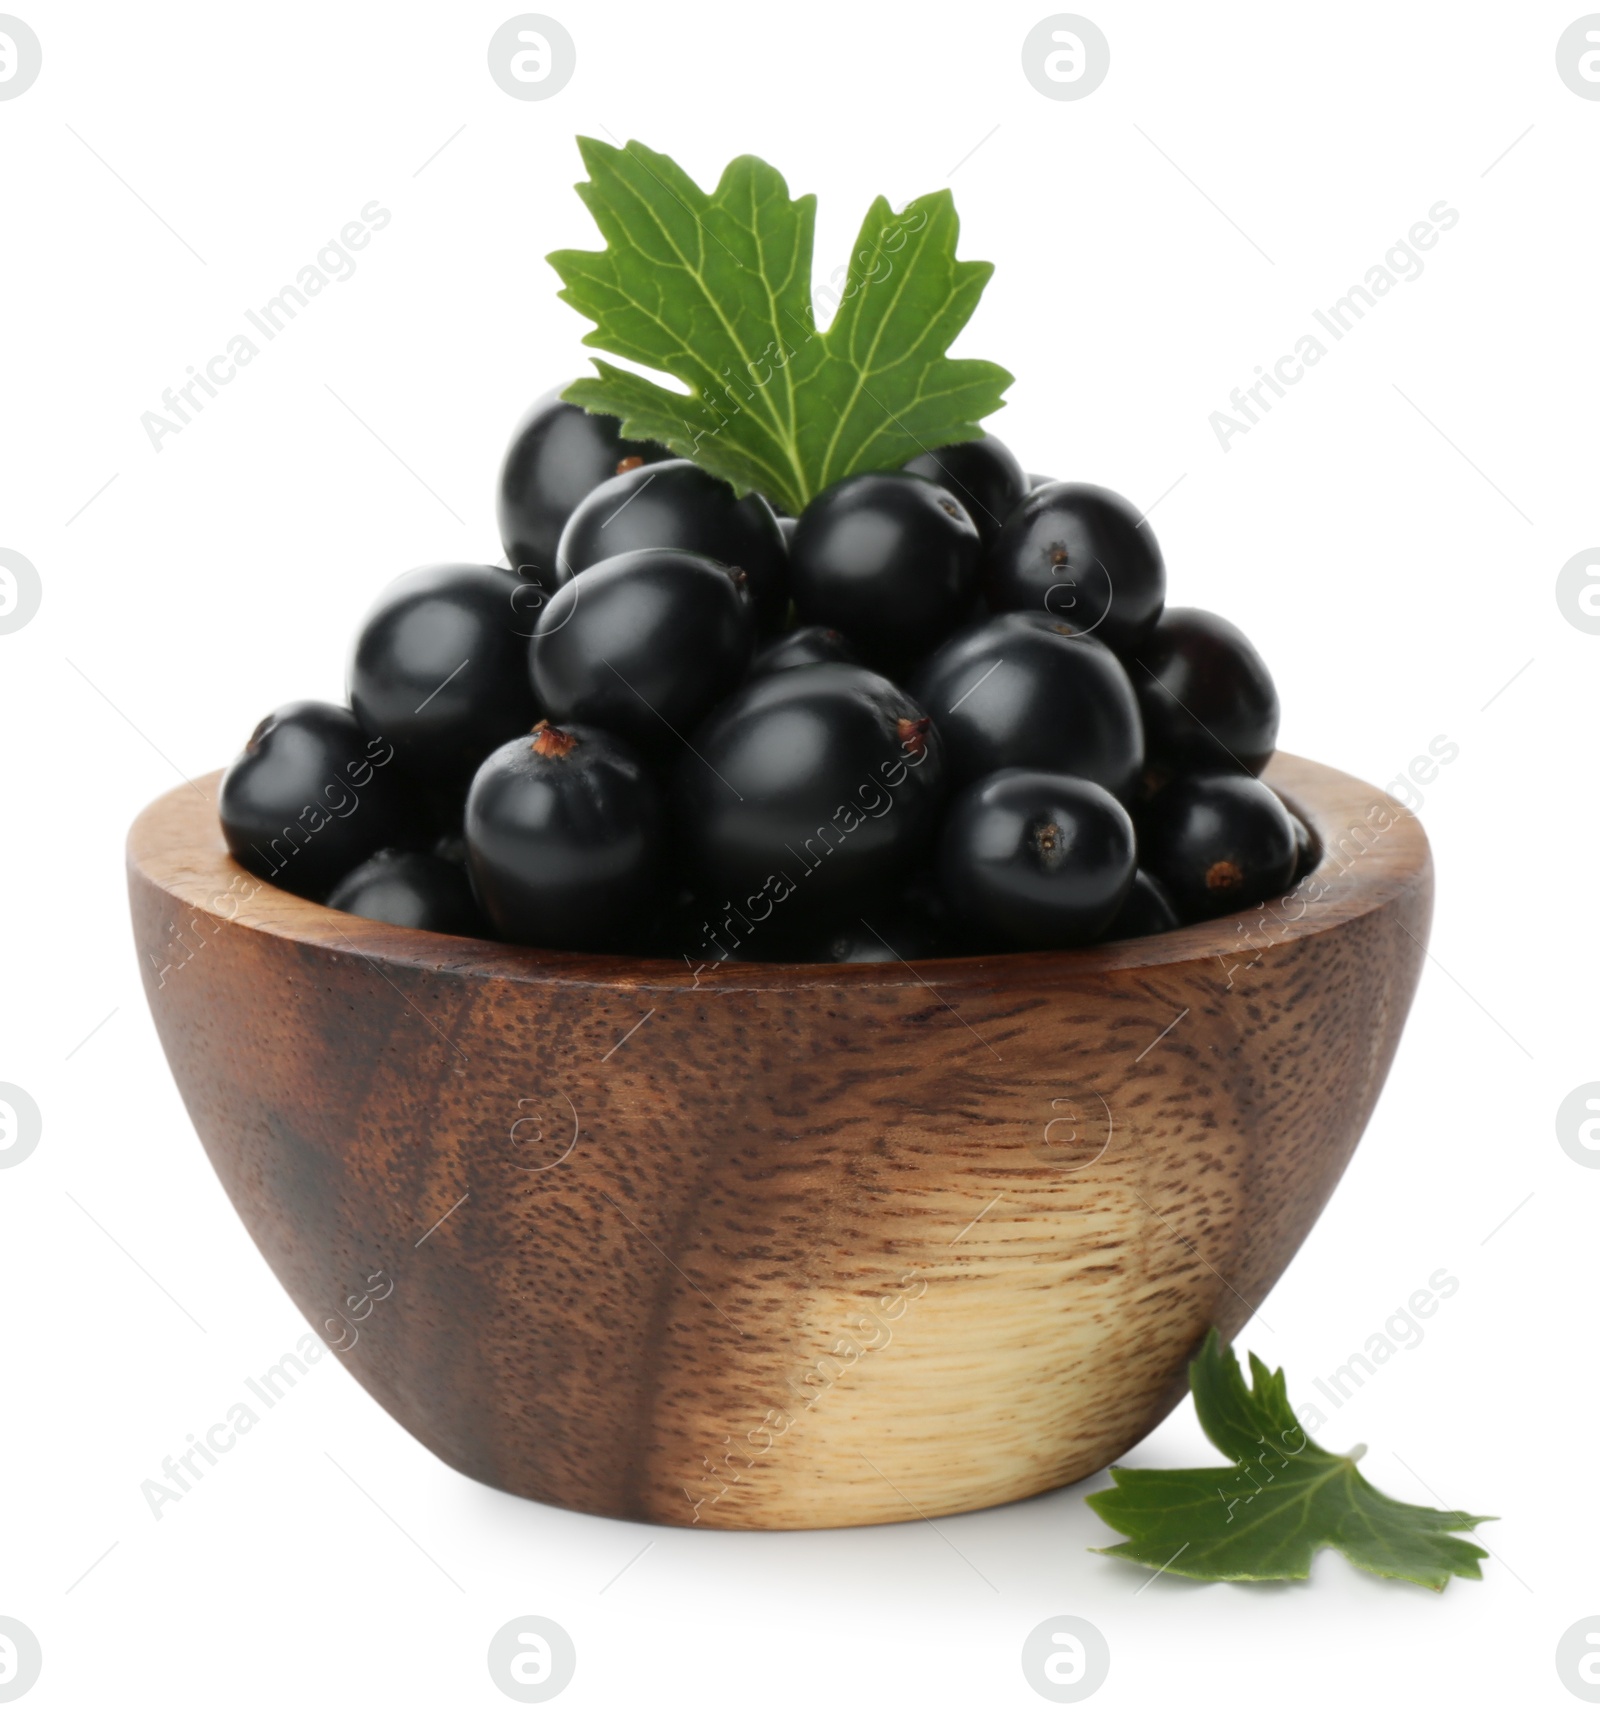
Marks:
<point>784,1246</point>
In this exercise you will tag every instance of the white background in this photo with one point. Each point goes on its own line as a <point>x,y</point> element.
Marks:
<point>1395,582</point>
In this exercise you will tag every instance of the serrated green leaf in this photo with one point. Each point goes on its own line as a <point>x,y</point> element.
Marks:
<point>1265,1518</point>
<point>715,290</point>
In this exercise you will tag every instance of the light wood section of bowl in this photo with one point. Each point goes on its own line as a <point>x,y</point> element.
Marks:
<point>780,1246</point>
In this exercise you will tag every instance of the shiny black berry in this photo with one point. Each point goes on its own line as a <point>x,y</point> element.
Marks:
<point>1218,843</point>
<point>309,797</point>
<point>677,505</point>
<point>558,453</point>
<point>984,477</point>
<point>1024,691</point>
<point>890,559</point>
<point>1081,554</point>
<point>1146,912</point>
<point>643,645</point>
<point>440,671</point>
<point>564,840</point>
<point>806,793</point>
<point>805,647</point>
<point>419,890</point>
<point>1308,849</point>
<point>1035,859</point>
<point>1206,697</point>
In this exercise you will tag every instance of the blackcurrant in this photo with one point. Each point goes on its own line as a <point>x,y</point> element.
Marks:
<point>452,846</point>
<point>558,453</point>
<point>311,796</point>
<point>1146,911</point>
<point>643,645</point>
<point>677,505</point>
<point>440,671</point>
<point>1207,700</point>
<point>806,792</point>
<point>1036,859</point>
<point>1081,554</point>
<point>1024,691</point>
<point>982,474</point>
<point>419,890</point>
<point>803,648</point>
<point>1308,850</point>
<point>890,559</point>
<point>564,838</point>
<point>887,935</point>
<point>1218,843</point>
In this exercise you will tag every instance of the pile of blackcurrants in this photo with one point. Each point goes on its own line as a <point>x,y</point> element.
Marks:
<point>944,711</point>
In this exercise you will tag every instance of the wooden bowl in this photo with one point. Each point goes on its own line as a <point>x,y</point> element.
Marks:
<point>780,1246</point>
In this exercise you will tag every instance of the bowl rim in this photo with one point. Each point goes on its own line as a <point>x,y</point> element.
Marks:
<point>176,845</point>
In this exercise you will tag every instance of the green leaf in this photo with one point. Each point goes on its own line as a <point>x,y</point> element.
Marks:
<point>716,291</point>
<point>1264,1518</point>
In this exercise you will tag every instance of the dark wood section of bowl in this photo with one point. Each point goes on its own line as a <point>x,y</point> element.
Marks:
<point>779,1246</point>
